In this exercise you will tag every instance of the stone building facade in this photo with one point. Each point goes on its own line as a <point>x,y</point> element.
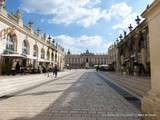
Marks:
<point>85,60</point>
<point>20,44</point>
<point>113,57</point>
<point>130,54</point>
<point>151,102</point>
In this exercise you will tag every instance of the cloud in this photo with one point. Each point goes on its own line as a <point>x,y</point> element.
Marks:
<point>126,15</point>
<point>151,1</point>
<point>79,44</point>
<point>120,10</point>
<point>125,22</point>
<point>85,13</point>
<point>81,12</point>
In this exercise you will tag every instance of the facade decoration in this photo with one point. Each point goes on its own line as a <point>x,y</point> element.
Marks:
<point>85,60</point>
<point>130,54</point>
<point>19,44</point>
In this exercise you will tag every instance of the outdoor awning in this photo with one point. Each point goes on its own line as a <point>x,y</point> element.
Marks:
<point>34,58</point>
<point>46,61</point>
<point>13,55</point>
<point>126,60</point>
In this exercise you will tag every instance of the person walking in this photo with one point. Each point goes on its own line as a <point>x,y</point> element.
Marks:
<point>55,71</point>
<point>17,68</point>
<point>13,68</point>
<point>97,68</point>
<point>47,71</point>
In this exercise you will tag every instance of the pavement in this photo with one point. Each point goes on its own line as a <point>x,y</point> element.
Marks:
<point>82,95</point>
<point>136,85</point>
<point>12,84</point>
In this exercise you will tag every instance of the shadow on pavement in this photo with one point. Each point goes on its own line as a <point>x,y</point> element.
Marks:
<point>30,88</point>
<point>40,93</point>
<point>74,102</point>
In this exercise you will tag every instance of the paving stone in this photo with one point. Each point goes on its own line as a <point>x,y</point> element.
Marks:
<point>80,96</point>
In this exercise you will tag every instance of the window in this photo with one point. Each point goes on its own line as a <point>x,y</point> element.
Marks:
<point>42,53</point>
<point>25,47</point>
<point>52,56</point>
<point>35,51</point>
<point>11,43</point>
<point>48,55</point>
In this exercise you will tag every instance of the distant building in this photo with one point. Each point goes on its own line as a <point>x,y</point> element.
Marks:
<point>84,60</point>
<point>20,44</point>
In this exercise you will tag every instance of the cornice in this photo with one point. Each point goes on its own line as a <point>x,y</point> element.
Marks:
<point>150,8</point>
<point>5,19</point>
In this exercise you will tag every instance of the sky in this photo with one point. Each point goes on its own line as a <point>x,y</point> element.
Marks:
<point>79,25</point>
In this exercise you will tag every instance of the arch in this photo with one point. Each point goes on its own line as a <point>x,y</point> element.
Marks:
<point>48,54</point>
<point>11,42</point>
<point>35,50</point>
<point>52,56</point>
<point>25,47</point>
<point>56,56</point>
<point>42,53</point>
<point>87,60</point>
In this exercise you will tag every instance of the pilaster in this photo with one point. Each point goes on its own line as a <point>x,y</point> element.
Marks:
<point>151,102</point>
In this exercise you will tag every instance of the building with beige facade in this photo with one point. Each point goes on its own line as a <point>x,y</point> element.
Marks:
<point>141,47</point>
<point>151,102</point>
<point>85,60</point>
<point>113,57</point>
<point>130,54</point>
<point>19,44</point>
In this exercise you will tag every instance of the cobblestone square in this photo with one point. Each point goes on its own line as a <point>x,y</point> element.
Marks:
<point>83,95</point>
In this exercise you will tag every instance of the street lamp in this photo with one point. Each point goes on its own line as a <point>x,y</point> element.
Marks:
<point>130,27</point>
<point>117,41</point>
<point>53,40</point>
<point>120,36</point>
<point>38,30</point>
<point>30,23</point>
<point>125,33</point>
<point>49,38</point>
<point>138,20</point>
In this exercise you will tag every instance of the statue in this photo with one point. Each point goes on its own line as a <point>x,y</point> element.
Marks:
<point>2,4</point>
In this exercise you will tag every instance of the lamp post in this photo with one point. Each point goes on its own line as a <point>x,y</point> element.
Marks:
<point>138,20</point>
<point>120,36</point>
<point>130,27</point>
<point>49,38</point>
<point>125,33</point>
<point>53,41</point>
<point>30,23</point>
<point>38,31</point>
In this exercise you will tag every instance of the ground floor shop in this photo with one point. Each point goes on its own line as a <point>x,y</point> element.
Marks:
<point>18,64</point>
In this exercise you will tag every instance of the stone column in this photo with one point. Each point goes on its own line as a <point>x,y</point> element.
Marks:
<point>151,102</point>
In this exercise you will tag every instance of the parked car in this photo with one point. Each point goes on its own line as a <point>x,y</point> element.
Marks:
<point>103,67</point>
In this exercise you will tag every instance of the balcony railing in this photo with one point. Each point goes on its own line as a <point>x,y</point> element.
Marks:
<point>9,51</point>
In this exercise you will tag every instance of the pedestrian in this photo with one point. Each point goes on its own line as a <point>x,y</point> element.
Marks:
<point>97,68</point>
<point>17,68</point>
<point>47,71</point>
<point>13,68</point>
<point>22,69</point>
<point>43,69</point>
<point>55,71</point>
